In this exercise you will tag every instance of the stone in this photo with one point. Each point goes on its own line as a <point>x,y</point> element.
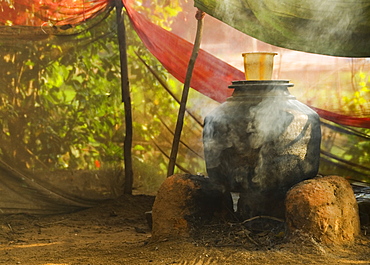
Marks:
<point>325,209</point>
<point>184,201</point>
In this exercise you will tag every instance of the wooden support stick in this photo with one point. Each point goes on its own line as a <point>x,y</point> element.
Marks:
<point>126,99</point>
<point>185,92</point>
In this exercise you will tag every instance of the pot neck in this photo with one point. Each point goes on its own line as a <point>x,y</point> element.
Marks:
<point>265,88</point>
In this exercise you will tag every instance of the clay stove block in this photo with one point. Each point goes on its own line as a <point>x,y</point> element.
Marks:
<point>324,208</point>
<point>183,201</point>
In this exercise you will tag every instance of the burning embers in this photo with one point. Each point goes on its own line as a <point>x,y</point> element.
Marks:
<point>261,142</point>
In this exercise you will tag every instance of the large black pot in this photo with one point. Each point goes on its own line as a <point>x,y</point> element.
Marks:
<point>261,142</point>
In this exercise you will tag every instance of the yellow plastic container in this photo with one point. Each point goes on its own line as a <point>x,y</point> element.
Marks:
<point>258,65</point>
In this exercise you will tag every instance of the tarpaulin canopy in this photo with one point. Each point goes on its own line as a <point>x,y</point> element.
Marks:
<point>336,27</point>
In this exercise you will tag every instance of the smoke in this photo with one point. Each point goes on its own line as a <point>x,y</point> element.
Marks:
<point>260,144</point>
<point>269,122</point>
<point>263,145</point>
<point>282,135</point>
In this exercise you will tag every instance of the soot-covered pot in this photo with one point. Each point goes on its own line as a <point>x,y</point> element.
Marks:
<point>260,143</point>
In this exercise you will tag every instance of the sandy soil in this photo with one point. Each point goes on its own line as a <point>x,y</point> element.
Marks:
<point>116,232</point>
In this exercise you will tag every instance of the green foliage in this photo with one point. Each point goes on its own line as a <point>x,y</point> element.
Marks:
<point>65,111</point>
<point>61,104</point>
<point>359,100</point>
<point>351,146</point>
<point>359,152</point>
<point>160,12</point>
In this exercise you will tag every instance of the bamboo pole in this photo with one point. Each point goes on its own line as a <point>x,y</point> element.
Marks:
<point>185,92</point>
<point>126,98</point>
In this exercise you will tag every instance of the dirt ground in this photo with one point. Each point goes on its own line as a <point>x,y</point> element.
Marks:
<point>117,232</point>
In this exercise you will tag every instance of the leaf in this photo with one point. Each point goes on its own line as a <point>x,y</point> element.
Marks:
<point>139,148</point>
